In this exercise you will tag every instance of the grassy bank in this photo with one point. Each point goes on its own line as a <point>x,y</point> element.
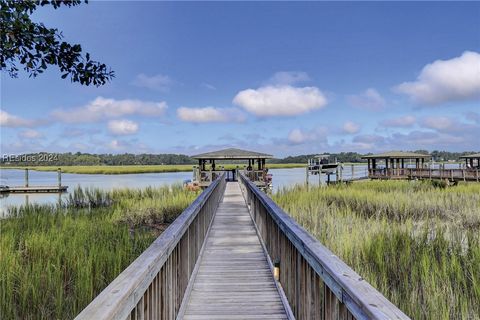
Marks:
<point>55,260</point>
<point>141,169</point>
<point>417,244</point>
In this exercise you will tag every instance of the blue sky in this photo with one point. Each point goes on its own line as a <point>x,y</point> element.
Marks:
<point>280,77</point>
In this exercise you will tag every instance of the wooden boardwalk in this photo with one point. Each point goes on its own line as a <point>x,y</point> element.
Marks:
<point>213,262</point>
<point>233,279</point>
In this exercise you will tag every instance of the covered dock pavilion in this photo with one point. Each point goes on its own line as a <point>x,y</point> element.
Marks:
<point>394,164</point>
<point>208,168</point>
<point>472,161</point>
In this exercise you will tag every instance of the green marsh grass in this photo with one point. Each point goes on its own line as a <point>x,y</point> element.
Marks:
<point>416,243</point>
<point>55,259</point>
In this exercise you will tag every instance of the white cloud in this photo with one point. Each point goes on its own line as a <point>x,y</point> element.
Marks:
<point>118,145</point>
<point>12,121</point>
<point>30,134</point>
<point>288,78</point>
<point>370,99</point>
<point>209,114</point>
<point>446,80</point>
<point>351,127</point>
<point>103,108</point>
<point>439,123</point>
<point>399,122</point>
<point>122,127</point>
<point>280,100</point>
<point>299,136</point>
<point>157,82</point>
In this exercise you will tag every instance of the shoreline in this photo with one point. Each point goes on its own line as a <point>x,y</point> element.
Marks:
<point>135,169</point>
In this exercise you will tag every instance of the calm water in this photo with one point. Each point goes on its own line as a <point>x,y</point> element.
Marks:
<point>281,178</point>
<point>107,182</point>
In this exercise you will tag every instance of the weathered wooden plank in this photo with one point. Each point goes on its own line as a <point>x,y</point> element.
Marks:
<point>233,280</point>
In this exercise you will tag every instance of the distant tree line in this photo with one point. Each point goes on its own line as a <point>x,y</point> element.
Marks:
<point>341,157</point>
<point>87,159</point>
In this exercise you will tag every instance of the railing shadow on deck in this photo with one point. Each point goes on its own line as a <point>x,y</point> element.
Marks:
<point>316,283</point>
<point>153,286</point>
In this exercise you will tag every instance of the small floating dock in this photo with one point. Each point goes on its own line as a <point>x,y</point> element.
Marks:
<point>35,189</point>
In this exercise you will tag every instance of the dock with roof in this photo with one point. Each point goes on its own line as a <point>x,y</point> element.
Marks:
<point>410,165</point>
<point>250,163</point>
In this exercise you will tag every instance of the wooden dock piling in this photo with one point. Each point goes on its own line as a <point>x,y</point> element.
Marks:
<point>26,178</point>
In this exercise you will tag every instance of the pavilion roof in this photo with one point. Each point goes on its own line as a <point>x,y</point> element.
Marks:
<point>468,156</point>
<point>232,154</point>
<point>397,155</point>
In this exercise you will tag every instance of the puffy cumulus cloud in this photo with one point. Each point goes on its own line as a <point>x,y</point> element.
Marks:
<point>30,134</point>
<point>439,122</point>
<point>122,127</point>
<point>370,99</point>
<point>399,122</point>
<point>280,100</point>
<point>157,82</point>
<point>299,136</point>
<point>451,125</point>
<point>446,80</point>
<point>103,108</point>
<point>288,77</point>
<point>210,114</point>
<point>118,145</point>
<point>13,121</point>
<point>351,127</point>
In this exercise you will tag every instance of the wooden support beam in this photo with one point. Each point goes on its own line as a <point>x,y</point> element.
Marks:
<point>26,177</point>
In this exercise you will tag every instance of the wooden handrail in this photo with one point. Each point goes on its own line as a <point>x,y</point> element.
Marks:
<point>152,286</point>
<point>317,284</point>
<point>426,173</point>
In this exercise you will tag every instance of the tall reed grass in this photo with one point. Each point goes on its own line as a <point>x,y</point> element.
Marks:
<point>417,244</point>
<point>55,259</point>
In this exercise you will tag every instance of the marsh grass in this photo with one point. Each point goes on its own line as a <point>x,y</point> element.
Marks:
<point>416,243</point>
<point>55,259</point>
